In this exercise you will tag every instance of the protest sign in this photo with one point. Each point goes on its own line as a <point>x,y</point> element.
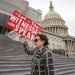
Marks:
<point>23,25</point>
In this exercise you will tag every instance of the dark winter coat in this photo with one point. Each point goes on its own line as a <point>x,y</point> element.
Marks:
<point>42,61</point>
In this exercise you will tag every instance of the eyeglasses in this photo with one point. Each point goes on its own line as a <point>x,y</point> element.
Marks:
<point>36,40</point>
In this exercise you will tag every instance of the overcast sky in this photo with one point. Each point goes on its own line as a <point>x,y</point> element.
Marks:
<point>66,8</point>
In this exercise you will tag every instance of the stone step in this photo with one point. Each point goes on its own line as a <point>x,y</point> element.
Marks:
<point>9,51</point>
<point>12,54</point>
<point>16,57</point>
<point>67,60</point>
<point>57,56</point>
<point>15,69</point>
<point>70,73</point>
<point>16,72</point>
<point>66,72</point>
<point>15,62</point>
<point>64,65</point>
<point>62,61</point>
<point>13,65</point>
<point>27,56</point>
<point>64,58</point>
<point>64,69</point>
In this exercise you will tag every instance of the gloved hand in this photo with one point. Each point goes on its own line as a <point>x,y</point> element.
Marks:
<point>25,44</point>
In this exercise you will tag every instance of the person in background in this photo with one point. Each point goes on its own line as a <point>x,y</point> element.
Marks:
<point>42,61</point>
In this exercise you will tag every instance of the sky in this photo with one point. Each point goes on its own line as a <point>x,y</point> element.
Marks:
<point>66,8</point>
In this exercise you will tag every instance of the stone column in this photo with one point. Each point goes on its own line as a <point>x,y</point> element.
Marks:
<point>58,30</point>
<point>62,30</point>
<point>49,29</point>
<point>55,29</point>
<point>68,47</point>
<point>71,45</point>
<point>74,48</point>
<point>52,29</point>
<point>65,31</point>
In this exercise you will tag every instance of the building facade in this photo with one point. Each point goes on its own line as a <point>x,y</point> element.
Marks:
<point>54,27</point>
<point>8,6</point>
<point>56,30</point>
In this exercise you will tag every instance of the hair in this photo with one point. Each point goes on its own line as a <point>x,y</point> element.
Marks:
<point>43,38</point>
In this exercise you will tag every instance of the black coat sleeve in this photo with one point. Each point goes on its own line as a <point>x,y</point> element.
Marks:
<point>27,49</point>
<point>49,63</point>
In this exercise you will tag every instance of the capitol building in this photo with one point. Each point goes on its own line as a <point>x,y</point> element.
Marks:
<point>60,42</point>
<point>56,30</point>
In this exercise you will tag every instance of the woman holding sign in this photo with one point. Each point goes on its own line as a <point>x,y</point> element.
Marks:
<point>42,61</point>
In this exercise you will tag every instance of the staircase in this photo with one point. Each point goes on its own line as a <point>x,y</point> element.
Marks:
<point>14,61</point>
<point>64,65</point>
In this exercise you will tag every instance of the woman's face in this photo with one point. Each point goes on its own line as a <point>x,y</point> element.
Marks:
<point>38,42</point>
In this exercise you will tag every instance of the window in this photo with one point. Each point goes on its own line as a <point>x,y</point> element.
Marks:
<point>53,21</point>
